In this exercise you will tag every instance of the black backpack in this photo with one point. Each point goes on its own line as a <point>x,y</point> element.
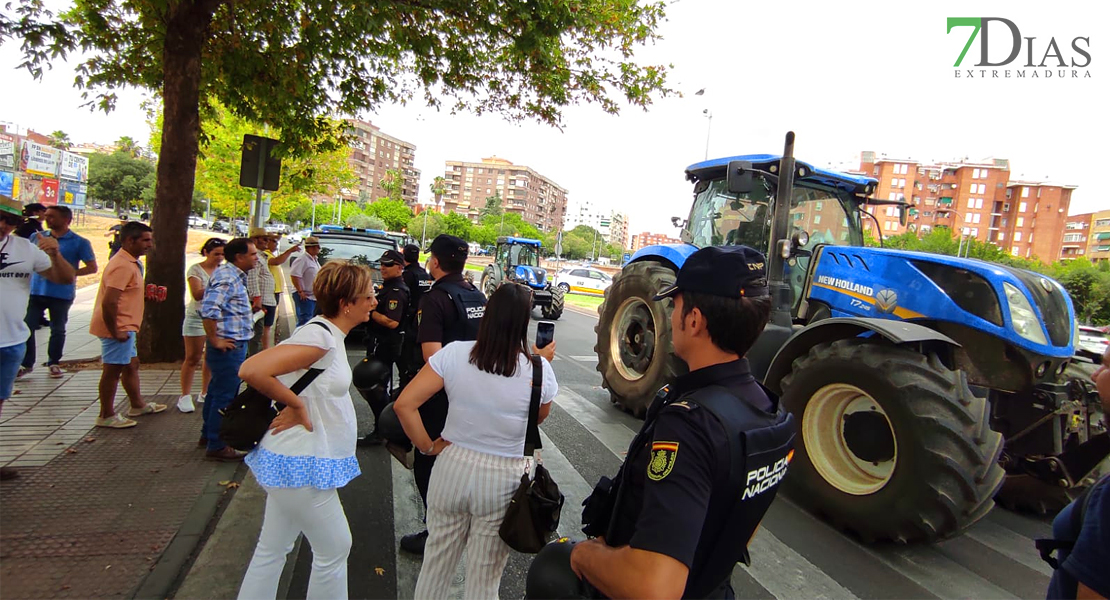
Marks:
<point>1046,546</point>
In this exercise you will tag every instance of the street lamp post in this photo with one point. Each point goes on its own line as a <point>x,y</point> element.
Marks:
<point>960,248</point>
<point>708,130</point>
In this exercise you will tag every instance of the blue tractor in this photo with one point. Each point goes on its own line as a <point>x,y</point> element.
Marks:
<point>518,260</point>
<point>921,383</point>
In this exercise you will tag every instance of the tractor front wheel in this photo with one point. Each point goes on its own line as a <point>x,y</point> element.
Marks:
<point>892,444</point>
<point>554,310</point>
<point>634,351</point>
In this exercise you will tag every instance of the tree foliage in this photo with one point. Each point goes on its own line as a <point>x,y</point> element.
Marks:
<point>119,178</point>
<point>492,207</point>
<point>60,139</point>
<point>392,183</point>
<point>394,214</point>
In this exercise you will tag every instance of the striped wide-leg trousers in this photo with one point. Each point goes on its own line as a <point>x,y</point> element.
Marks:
<point>467,499</point>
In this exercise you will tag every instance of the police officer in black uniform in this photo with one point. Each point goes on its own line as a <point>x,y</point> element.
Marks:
<point>418,282</point>
<point>385,333</point>
<point>449,312</point>
<point>704,468</point>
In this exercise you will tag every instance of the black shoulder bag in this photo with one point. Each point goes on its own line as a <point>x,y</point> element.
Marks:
<point>533,513</point>
<point>247,418</point>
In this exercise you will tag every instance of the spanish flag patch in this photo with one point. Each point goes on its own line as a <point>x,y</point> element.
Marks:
<point>663,456</point>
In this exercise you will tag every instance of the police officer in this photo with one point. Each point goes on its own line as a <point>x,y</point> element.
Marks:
<point>418,282</point>
<point>707,462</point>
<point>449,312</point>
<point>386,330</point>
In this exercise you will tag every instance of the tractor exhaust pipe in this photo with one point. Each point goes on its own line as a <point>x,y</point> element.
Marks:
<point>780,238</point>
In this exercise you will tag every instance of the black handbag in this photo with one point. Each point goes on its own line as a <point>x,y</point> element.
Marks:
<point>247,418</point>
<point>533,514</point>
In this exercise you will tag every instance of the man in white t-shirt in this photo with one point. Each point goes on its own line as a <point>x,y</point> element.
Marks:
<point>303,275</point>
<point>19,258</point>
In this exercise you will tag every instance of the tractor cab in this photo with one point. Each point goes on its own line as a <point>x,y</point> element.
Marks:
<point>517,260</point>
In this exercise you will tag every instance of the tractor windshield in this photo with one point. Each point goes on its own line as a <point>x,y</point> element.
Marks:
<point>722,218</point>
<point>520,254</point>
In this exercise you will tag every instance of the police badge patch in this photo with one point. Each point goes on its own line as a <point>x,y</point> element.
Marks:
<point>392,305</point>
<point>663,455</point>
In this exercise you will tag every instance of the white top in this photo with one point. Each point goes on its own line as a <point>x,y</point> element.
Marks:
<point>323,458</point>
<point>18,259</point>
<point>486,412</point>
<point>305,267</point>
<point>197,272</point>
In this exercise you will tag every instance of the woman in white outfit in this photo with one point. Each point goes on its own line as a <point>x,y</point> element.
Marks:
<point>192,328</point>
<point>309,451</point>
<point>489,382</point>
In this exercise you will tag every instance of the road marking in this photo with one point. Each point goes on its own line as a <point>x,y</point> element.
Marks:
<point>1009,544</point>
<point>585,358</point>
<point>787,574</point>
<point>599,422</point>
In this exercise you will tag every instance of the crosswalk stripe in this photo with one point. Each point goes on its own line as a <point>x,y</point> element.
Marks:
<point>1010,544</point>
<point>787,574</point>
<point>408,512</point>
<point>615,436</point>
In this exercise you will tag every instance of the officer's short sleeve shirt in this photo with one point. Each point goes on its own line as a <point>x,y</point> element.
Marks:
<point>437,312</point>
<point>677,473</point>
<point>392,300</point>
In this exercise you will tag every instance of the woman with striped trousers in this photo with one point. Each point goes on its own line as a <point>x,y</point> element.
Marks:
<point>489,382</point>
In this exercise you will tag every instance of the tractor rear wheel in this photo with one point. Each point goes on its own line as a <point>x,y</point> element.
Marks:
<point>892,444</point>
<point>634,351</point>
<point>554,310</point>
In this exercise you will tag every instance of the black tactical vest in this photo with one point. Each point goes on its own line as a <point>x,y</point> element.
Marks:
<point>470,305</point>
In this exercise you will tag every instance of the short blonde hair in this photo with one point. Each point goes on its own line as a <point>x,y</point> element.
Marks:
<point>340,280</point>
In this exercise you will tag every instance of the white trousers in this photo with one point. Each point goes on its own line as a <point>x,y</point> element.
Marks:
<point>289,512</point>
<point>467,498</point>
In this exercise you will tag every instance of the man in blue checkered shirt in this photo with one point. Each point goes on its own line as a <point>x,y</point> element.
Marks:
<point>229,326</point>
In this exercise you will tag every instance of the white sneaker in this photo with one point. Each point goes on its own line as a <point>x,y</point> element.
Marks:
<point>116,421</point>
<point>200,398</point>
<point>185,404</point>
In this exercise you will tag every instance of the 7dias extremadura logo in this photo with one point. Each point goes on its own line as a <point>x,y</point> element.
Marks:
<point>1023,57</point>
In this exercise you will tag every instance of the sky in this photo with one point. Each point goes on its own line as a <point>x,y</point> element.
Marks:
<point>844,76</point>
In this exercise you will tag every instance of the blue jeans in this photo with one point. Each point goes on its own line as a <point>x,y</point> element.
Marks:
<point>59,316</point>
<point>10,356</point>
<point>306,309</point>
<point>222,389</point>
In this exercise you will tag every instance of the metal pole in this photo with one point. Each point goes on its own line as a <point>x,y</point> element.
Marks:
<point>708,130</point>
<point>256,219</point>
<point>424,234</point>
<point>313,226</point>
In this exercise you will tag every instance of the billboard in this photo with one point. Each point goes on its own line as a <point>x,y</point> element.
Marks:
<point>73,194</point>
<point>7,152</point>
<point>38,159</point>
<point>74,167</point>
<point>7,183</point>
<point>48,193</point>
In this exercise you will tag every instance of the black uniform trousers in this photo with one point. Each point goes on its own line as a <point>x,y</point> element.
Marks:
<point>434,414</point>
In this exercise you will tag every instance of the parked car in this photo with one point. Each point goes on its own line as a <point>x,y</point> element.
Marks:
<point>1091,344</point>
<point>583,280</point>
<point>222,226</point>
<point>196,222</point>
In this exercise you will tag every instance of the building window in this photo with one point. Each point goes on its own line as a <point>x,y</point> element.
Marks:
<point>1017,236</point>
<point>1024,193</point>
<point>1014,251</point>
<point>975,218</point>
<point>975,174</point>
<point>1102,223</point>
<point>1022,206</point>
<point>1001,235</point>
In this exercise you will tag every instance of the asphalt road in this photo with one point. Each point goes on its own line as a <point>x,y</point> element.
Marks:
<point>794,555</point>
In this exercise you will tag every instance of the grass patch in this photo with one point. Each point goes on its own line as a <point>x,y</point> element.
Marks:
<point>589,303</point>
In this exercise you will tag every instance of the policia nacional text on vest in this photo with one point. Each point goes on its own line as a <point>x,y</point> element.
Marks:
<point>760,447</point>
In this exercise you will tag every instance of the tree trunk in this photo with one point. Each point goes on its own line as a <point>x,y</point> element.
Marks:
<point>187,26</point>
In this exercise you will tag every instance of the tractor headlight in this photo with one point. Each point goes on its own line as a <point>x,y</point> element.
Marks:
<point>1024,319</point>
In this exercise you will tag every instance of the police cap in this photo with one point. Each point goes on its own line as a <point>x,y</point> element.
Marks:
<point>449,246</point>
<point>729,271</point>
<point>412,253</point>
<point>392,258</point>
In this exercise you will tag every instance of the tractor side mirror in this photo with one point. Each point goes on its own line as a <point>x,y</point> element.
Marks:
<point>902,220</point>
<point>739,177</point>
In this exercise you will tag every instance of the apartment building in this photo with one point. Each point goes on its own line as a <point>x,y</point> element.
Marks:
<point>612,225</point>
<point>645,239</point>
<point>976,199</point>
<point>618,230</point>
<point>375,153</point>
<point>1077,229</point>
<point>1098,242</point>
<point>537,199</point>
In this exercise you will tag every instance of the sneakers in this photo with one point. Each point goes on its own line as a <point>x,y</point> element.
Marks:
<point>414,542</point>
<point>23,372</point>
<point>148,409</point>
<point>200,398</point>
<point>116,421</point>
<point>56,371</point>
<point>185,404</point>
<point>225,454</point>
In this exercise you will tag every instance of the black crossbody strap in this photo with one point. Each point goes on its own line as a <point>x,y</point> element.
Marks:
<point>306,380</point>
<point>532,437</point>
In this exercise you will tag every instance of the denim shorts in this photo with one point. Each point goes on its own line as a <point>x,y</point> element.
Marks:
<point>10,359</point>
<point>114,352</point>
<point>270,315</point>
<point>193,325</point>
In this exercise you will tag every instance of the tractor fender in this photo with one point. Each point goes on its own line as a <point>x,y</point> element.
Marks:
<point>839,328</point>
<point>671,255</point>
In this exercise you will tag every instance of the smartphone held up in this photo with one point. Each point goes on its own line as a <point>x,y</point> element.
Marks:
<point>545,333</point>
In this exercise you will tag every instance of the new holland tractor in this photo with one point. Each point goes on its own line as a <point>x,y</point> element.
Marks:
<point>518,259</point>
<point>921,383</point>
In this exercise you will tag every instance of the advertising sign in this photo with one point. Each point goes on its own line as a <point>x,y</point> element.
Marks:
<point>73,194</point>
<point>7,182</point>
<point>37,159</point>
<point>74,167</point>
<point>48,193</point>
<point>7,152</point>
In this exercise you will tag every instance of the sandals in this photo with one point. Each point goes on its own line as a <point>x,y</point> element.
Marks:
<point>148,409</point>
